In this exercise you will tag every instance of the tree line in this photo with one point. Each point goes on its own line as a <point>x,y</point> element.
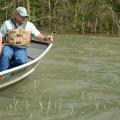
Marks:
<point>69,16</point>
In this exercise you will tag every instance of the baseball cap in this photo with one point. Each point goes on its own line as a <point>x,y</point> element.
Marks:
<point>22,11</point>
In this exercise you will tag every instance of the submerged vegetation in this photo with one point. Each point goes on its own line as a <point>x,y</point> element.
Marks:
<point>78,16</point>
<point>78,80</point>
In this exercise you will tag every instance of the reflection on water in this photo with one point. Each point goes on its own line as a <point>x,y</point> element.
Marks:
<point>79,79</point>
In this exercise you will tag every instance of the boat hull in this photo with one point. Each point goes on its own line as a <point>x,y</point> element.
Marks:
<point>36,52</point>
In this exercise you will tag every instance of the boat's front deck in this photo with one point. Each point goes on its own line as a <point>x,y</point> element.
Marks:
<point>35,50</point>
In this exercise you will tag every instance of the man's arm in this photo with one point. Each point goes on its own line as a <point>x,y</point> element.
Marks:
<point>35,32</point>
<point>48,39</point>
<point>0,44</point>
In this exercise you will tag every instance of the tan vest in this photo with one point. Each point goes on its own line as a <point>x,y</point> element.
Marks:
<point>18,37</point>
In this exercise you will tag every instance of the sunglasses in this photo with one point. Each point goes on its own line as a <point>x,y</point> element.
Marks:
<point>22,16</point>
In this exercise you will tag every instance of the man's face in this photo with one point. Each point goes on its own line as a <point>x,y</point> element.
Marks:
<point>19,18</point>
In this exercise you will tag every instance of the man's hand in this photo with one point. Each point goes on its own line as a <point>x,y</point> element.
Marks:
<point>49,39</point>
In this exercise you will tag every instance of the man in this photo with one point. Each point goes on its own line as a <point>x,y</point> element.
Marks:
<point>14,47</point>
<point>0,44</point>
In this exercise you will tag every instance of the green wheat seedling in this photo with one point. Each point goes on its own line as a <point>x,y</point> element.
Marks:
<point>95,98</point>
<point>40,103</point>
<point>27,105</point>
<point>30,116</point>
<point>41,106</point>
<point>0,114</point>
<point>13,106</point>
<point>35,84</point>
<point>72,109</point>
<point>60,105</point>
<point>55,106</point>
<point>35,90</point>
<point>48,107</point>
<point>66,60</point>
<point>15,103</point>
<point>116,78</point>
<point>87,71</point>
<point>97,105</point>
<point>100,106</point>
<point>10,108</point>
<point>83,94</point>
<point>104,106</point>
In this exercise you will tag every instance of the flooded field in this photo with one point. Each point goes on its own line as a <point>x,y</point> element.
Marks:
<point>79,79</point>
